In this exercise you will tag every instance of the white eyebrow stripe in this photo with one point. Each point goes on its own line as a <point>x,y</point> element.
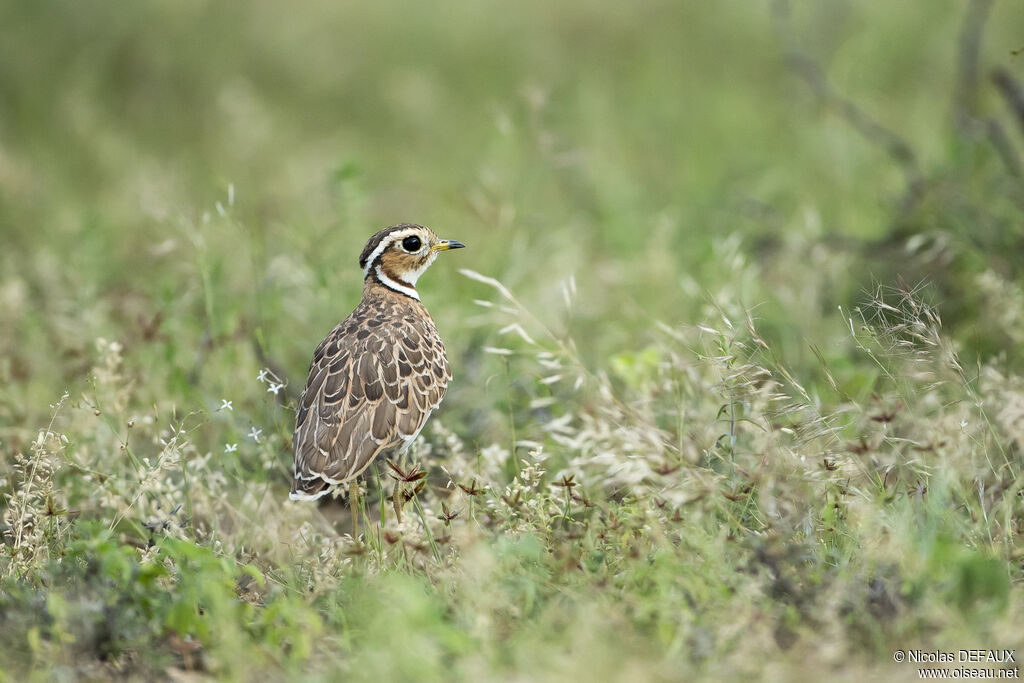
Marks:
<point>391,284</point>
<point>384,244</point>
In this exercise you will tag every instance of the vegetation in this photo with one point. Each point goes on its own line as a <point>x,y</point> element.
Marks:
<point>737,384</point>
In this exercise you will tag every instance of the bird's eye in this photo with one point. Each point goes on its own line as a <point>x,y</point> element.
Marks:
<point>411,244</point>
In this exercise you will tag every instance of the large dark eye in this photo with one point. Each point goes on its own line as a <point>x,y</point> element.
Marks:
<point>411,243</point>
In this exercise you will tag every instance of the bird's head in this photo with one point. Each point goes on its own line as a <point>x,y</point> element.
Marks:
<point>398,255</point>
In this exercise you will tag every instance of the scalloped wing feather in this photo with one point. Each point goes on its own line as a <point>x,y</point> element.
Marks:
<point>371,386</point>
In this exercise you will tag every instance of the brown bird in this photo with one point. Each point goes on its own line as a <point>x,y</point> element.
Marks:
<point>378,375</point>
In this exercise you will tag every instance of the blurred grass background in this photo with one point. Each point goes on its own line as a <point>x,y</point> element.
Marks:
<point>195,180</point>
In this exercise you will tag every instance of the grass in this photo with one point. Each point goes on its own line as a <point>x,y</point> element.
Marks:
<point>736,385</point>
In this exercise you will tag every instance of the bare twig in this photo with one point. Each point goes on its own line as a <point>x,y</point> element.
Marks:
<point>895,146</point>
<point>996,134</point>
<point>965,93</point>
<point>1010,88</point>
<point>872,130</point>
<point>859,120</point>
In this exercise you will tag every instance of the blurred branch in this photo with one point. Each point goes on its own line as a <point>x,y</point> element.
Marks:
<point>857,118</point>
<point>1011,90</point>
<point>965,93</point>
<point>996,134</point>
<point>965,98</point>
<point>895,146</point>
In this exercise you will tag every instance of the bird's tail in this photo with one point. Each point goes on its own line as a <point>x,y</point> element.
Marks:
<point>309,489</point>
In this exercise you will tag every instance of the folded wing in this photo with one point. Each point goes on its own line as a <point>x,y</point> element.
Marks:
<point>370,389</point>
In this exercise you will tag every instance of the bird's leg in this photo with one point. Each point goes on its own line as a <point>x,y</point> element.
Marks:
<point>353,501</point>
<point>396,501</point>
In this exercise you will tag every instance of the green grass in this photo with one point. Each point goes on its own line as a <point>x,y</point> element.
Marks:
<point>726,403</point>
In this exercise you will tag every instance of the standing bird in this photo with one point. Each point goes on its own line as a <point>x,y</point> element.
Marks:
<point>378,375</point>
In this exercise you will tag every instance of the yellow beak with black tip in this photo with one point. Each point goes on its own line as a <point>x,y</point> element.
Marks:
<point>445,245</point>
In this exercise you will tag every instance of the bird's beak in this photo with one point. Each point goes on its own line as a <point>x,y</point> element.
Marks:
<point>445,245</point>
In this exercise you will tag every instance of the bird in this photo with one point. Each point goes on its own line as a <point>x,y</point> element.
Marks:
<point>379,374</point>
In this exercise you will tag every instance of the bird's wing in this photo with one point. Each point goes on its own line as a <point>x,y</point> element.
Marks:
<point>370,389</point>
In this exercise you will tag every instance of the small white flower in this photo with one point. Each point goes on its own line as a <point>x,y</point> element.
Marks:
<point>274,388</point>
<point>230,447</point>
<point>262,376</point>
<point>226,404</point>
<point>254,434</point>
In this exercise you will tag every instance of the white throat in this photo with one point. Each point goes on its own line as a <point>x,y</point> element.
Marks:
<point>398,286</point>
<point>413,275</point>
